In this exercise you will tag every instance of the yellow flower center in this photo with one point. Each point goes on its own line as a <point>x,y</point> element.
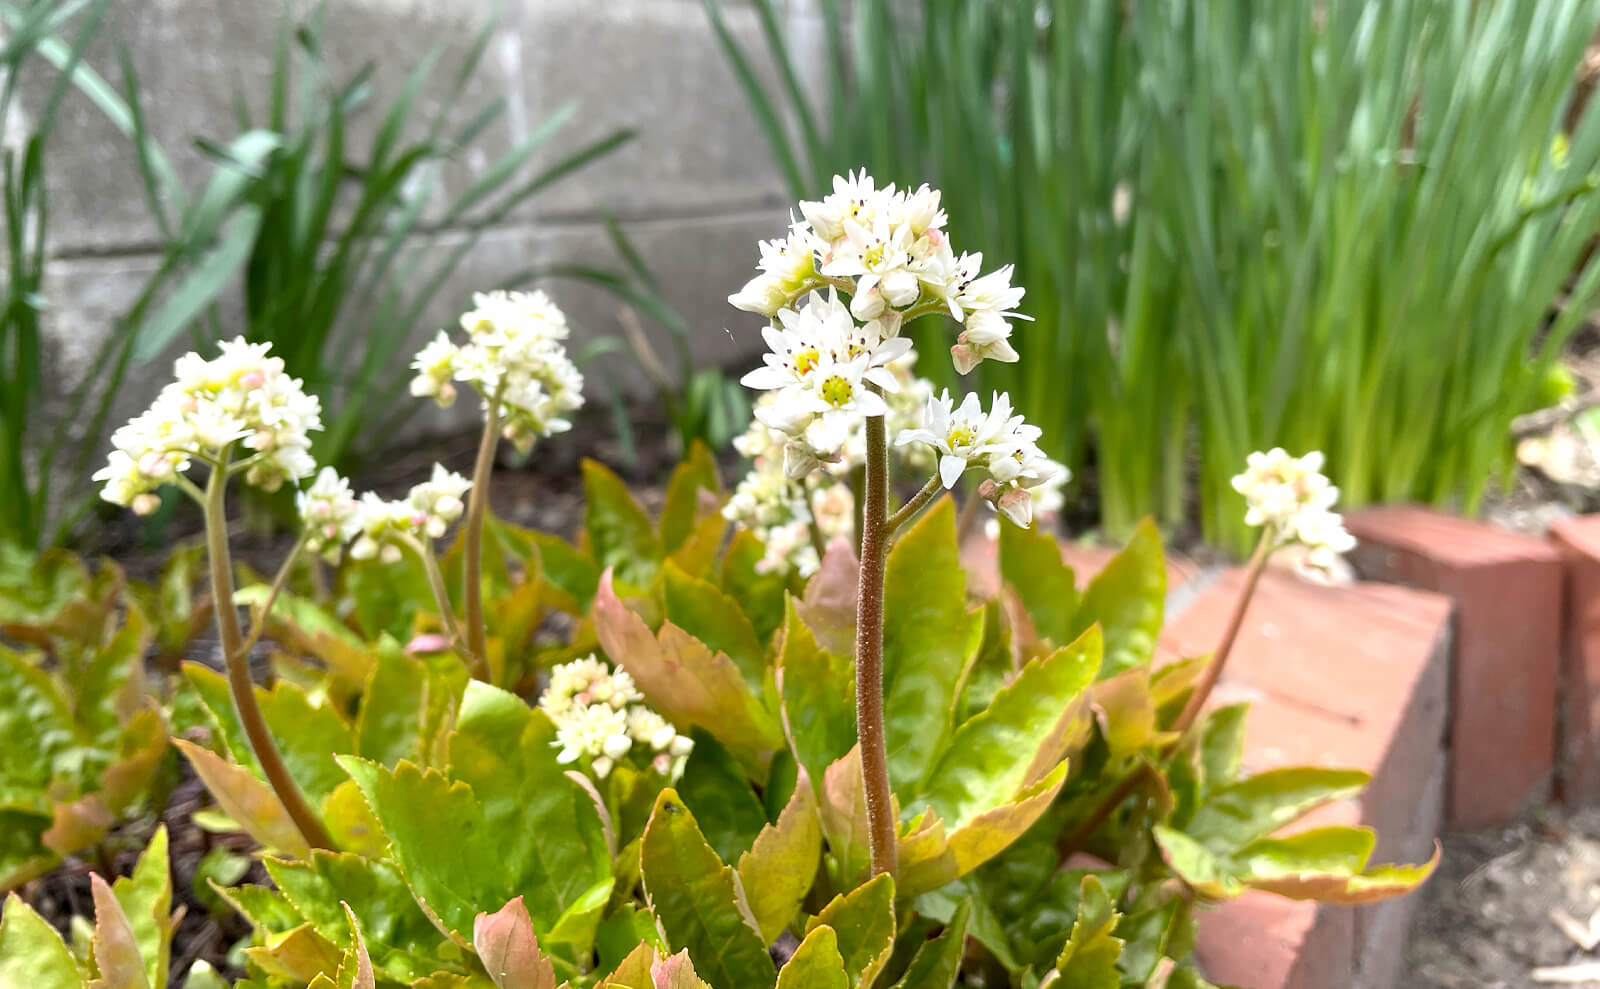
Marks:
<point>961,436</point>
<point>873,256</point>
<point>836,391</point>
<point>805,361</point>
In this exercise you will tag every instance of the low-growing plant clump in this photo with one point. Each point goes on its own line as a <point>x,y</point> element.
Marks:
<point>772,739</point>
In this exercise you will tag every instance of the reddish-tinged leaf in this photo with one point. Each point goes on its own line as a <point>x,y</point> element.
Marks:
<point>246,799</point>
<point>116,953</point>
<point>509,951</point>
<point>829,604</point>
<point>676,972</point>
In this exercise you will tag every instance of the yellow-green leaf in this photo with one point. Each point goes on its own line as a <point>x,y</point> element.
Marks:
<point>116,952</point>
<point>1128,599</point>
<point>930,640</point>
<point>778,869</point>
<point>1089,959</point>
<point>32,954</point>
<point>818,689</point>
<point>938,962</point>
<point>695,473</point>
<point>863,919</point>
<point>246,799</point>
<point>1025,726</point>
<point>816,964</point>
<point>1032,565</point>
<point>705,612</point>
<point>684,680</point>
<point>620,534</point>
<point>1235,815</point>
<point>695,900</point>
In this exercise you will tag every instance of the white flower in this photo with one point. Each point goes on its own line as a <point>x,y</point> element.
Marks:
<point>1294,500</point>
<point>435,365</point>
<point>599,716</point>
<point>437,501</point>
<point>329,512</point>
<point>787,268</point>
<point>242,397</point>
<point>514,350</point>
<point>956,433</point>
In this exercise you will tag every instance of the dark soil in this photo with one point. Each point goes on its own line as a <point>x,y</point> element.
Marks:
<point>1486,922</point>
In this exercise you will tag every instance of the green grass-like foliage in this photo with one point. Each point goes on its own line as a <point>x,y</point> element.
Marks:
<point>469,856</point>
<point>1359,226</point>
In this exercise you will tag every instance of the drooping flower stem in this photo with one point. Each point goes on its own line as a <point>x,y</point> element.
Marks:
<point>472,546</point>
<point>478,663</point>
<point>875,533</point>
<point>1219,659</point>
<point>278,584</point>
<point>916,504</point>
<point>238,662</point>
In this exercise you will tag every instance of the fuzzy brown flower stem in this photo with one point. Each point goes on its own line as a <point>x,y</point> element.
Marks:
<point>875,532</point>
<point>1219,659</point>
<point>472,539</point>
<point>916,504</point>
<point>238,662</point>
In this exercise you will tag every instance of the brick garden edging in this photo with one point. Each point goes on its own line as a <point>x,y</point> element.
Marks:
<point>1467,683</point>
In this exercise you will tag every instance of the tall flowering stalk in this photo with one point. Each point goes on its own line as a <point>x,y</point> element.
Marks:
<point>514,358</point>
<point>838,289</point>
<point>1290,500</point>
<point>239,414</point>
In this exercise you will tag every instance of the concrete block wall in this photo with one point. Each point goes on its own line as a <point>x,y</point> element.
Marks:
<point>695,188</point>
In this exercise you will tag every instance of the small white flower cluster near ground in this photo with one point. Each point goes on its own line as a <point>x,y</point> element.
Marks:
<point>1294,501</point>
<point>514,350</point>
<point>600,716</point>
<point>330,514</point>
<point>243,398</point>
<point>883,258</point>
<point>426,512</point>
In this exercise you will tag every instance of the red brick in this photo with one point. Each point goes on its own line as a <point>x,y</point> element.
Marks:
<point>1507,590</point>
<point>1267,942</point>
<point>1344,676</point>
<point>1578,540</point>
<point>1352,676</point>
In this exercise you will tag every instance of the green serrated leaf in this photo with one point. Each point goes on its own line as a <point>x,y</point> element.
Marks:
<point>1253,808</point>
<point>819,697</point>
<point>32,953</point>
<point>404,943</point>
<point>1222,746</point>
<point>1128,599</point>
<point>697,472</point>
<point>146,900</point>
<point>1089,959</point>
<point>816,964</point>
<point>699,608</point>
<point>716,791</point>
<point>930,640</point>
<point>620,534</point>
<point>547,833</point>
<point>863,919</point>
<point>938,962</point>
<point>760,595</point>
<point>246,799</point>
<point>695,900</point>
<point>393,705</point>
<point>40,734</point>
<point>1022,732</point>
<point>1031,564</point>
<point>778,870</point>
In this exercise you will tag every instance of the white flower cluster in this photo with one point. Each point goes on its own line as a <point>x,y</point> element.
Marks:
<point>831,365</point>
<point>514,350</point>
<point>998,442</point>
<point>426,511</point>
<point>889,250</point>
<point>330,514</point>
<point>781,509</point>
<point>242,397</point>
<point>599,715</point>
<point>1294,500</point>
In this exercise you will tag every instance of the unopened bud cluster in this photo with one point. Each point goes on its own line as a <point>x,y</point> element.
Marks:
<point>601,720</point>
